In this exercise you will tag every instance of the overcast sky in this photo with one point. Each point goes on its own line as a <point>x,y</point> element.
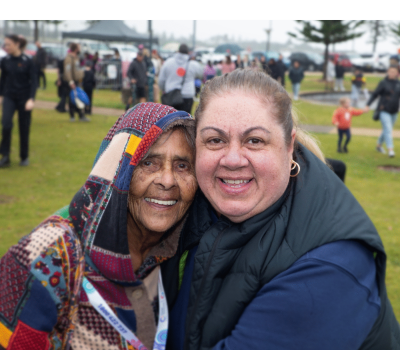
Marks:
<point>253,29</point>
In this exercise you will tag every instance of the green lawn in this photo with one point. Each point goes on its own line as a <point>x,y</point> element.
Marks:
<point>377,191</point>
<point>62,154</point>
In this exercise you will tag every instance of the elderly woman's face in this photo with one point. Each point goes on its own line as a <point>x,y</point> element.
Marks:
<point>163,185</point>
<point>242,159</point>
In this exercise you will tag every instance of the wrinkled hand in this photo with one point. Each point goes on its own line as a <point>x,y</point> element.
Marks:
<point>29,105</point>
<point>366,109</point>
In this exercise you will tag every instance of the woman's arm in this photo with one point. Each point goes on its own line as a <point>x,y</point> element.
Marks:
<point>378,91</point>
<point>326,300</point>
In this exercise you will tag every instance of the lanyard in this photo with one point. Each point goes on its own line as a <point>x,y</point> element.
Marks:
<point>104,310</point>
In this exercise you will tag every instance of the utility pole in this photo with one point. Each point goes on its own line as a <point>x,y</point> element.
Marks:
<point>5,27</point>
<point>194,34</point>
<point>150,35</point>
<point>268,31</point>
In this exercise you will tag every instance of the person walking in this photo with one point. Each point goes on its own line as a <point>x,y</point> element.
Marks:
<point>72,76</point>
<point>389,92</point>
<point>209,72</point>
<point>157,63</point>
<point>40,60</point>
<point>89,83</point>
<point>330,74</point>
<point>275,70</point>
<point>227,66</point>
<point>239,62</point>
<point>339,76</point>
<point>17,92</point>
<point>179,73</point>
<point>62,87</point>
<point>357,82</point>
<point>264,65</point>
<point>296,75</point>
<point>137,73</point>
<point>282,69</point>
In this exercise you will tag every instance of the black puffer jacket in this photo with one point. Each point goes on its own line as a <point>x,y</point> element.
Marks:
<point>234,261</point>
<point>389,92</point>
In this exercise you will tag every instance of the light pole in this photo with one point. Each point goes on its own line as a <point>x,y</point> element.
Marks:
<point>268,31</point>
<point>150,34</point>
<point>194,34</point>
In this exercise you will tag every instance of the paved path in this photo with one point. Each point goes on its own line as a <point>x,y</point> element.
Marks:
<point>311,128</point>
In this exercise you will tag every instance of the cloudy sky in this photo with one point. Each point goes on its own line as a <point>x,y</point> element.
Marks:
<point>254,29</point>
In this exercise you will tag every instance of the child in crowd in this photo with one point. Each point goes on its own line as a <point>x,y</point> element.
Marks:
<point>357,82</point>
<point>342,119</point>
<point>89,83</point>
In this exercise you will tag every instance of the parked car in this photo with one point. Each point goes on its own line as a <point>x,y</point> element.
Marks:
<point>202,54</point>
<point>346,63</point>
<point>127,52</point>
<point>54,53</point>
<point>370,61</point>
<point>308,60</point>
<point>386,60</point>
<point>30,50</point>
<point>228,49</point>
<point>91,47</point>
<point>165,54</point>
<point>356,60</point>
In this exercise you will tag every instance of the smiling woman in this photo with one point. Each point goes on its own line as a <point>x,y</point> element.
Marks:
<point>276,252</point>
<point>89,276</point>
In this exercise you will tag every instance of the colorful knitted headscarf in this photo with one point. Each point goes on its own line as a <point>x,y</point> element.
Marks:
<point>99,209</point>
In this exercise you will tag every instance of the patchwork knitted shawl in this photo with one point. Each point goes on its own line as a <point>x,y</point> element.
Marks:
<point>42,304</point>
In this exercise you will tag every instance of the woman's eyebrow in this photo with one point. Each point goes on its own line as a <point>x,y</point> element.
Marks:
<point>249,130</point>
<point>219,131</point>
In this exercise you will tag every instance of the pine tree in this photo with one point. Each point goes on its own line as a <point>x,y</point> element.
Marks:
<point>327,33</point>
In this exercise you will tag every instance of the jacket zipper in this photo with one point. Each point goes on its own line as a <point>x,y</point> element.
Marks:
<point>203,281</point>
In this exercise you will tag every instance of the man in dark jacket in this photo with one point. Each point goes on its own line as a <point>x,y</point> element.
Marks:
<point>137,73</point>
<point>282,69</point>
<point>389,92</point>
<point>89,83</point>
<point>275,70</point>
<point>296,75</point>
<point>339,76</point>
<point>40,63</point>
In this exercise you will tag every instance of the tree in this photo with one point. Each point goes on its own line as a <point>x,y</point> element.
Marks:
<point>327,33</point>
<point>378,31</point>
<point>36,27</point>
<point>395,31</point>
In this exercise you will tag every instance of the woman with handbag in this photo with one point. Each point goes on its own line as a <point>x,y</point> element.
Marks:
<point>388,107</point>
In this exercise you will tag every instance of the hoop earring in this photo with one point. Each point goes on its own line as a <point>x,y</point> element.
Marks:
<point>294,165</point>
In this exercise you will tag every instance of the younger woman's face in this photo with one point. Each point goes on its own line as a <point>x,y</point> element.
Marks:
<point>242,159</point>
<point>10,46</point>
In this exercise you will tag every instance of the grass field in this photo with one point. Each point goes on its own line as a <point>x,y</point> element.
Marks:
<point>62,154</point>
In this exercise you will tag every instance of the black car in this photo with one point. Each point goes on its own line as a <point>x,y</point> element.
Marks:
<point>308,61</point>
<point>54,53</point>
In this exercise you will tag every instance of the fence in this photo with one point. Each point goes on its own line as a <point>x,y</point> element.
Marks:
<point>108,74</point>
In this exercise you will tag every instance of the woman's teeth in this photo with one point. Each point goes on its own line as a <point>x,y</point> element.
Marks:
<point>235,182</point>
<point>151,200</point>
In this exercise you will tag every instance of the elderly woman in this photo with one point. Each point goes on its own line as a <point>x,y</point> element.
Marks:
<point>83,274</point>
<point>276,253</point>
